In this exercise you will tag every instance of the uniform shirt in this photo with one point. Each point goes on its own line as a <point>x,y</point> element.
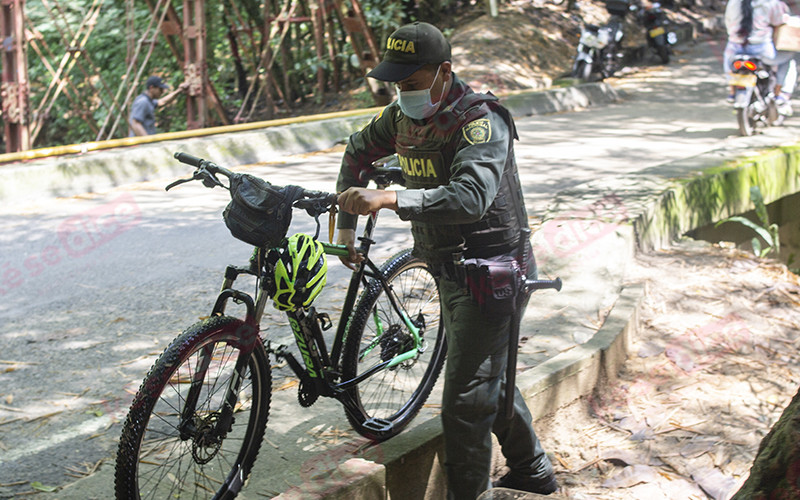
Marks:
<point>475,171</point>
<point>766,15</point>
<point>143,110</point>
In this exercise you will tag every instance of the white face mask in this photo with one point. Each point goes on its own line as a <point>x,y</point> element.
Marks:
<point>417,104</point>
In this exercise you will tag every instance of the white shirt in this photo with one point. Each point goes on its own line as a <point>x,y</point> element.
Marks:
<point>767,14</point>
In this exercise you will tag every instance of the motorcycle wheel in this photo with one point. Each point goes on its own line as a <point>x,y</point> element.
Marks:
<point>663,53</point>
<point>582,71</point>
<point>609,65</point>
<point>747,120</point>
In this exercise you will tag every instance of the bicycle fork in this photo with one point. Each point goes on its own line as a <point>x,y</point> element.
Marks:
<point>215,426</point>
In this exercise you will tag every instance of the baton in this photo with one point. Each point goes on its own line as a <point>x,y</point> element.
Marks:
<point>526,290</point>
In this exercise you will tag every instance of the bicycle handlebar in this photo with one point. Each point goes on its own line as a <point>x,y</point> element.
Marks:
<point>314,202</point>
<point>188,159</point>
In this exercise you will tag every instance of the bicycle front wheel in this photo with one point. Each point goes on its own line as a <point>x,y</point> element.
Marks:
<point>384,403</point>
<point>178,440</point>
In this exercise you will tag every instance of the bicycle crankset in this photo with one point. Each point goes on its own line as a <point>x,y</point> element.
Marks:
<point>306,396</point>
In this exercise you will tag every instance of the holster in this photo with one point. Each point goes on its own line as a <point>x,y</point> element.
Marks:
<point>494,283</point>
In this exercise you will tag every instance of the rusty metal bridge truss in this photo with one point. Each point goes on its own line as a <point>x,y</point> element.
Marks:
<point>69,65</point>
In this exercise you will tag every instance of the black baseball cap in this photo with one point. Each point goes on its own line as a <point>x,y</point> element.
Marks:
<point>156,81</point>
<point>408,49</point>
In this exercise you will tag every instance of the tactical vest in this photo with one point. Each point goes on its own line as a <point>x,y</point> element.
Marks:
<point>426,153</point>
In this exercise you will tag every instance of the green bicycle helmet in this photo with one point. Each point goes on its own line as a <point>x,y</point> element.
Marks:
<point>300,272</point>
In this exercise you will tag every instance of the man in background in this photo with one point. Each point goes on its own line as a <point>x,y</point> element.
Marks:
<point>143,110</point>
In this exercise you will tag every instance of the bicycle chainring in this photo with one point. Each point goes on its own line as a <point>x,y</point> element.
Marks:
<point>306,396</point>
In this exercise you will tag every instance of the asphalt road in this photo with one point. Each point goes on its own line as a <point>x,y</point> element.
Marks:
<point>94,287</point>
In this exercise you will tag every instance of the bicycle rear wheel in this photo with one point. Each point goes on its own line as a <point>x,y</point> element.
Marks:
<point>384,403</point>
<point>162,455</point>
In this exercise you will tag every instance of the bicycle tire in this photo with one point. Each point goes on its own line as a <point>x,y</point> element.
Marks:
<point>153,461</point>
<point>393,396</point>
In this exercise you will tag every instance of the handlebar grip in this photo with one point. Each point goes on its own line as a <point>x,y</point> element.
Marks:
<point>329,198</point>
<point>188,159</point>
<point>541,284</point>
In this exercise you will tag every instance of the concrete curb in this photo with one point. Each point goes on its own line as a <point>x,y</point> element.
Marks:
<point>579,371</point>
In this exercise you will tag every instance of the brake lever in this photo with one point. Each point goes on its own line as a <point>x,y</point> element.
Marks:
<point>316,233</point>
<point>315,208</point>
<point>177,183</point>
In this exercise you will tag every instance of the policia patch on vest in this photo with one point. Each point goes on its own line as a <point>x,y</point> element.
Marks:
<point>478,131</point>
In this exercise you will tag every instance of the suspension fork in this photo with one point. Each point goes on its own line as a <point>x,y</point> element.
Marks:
<point>247,335</point>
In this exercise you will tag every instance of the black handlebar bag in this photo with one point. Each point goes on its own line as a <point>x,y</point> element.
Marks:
<point>259,213</point>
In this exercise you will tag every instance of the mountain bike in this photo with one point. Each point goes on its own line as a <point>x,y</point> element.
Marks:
<point>196,425</point>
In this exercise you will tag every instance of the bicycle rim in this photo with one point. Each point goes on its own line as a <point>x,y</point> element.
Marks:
<point>154,461</point>
<point>393,396</point>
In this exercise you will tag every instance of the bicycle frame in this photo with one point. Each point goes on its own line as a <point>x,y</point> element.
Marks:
<point>320,369</point>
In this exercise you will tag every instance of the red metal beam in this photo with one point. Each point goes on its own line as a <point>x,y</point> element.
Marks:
<point>195,64</point>
<point>14,89</point>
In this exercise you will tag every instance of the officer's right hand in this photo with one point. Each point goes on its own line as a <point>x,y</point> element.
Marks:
<point>347,237</point>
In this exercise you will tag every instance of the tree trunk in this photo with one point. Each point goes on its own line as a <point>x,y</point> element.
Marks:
<point>776,469</point>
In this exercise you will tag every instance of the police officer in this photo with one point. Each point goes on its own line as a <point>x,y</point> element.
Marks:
<point>463,198</point>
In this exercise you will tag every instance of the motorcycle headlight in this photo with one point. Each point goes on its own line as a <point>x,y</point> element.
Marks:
<point>588,39</point>
<point>672,38</point>
<point>596,40</point>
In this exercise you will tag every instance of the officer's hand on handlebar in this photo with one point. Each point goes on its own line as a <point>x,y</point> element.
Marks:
<point>362,201</point>
<point>347,237</point>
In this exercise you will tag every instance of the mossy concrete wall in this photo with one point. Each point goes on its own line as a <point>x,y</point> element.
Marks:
<point>717,193</point>
<point>666,202</point>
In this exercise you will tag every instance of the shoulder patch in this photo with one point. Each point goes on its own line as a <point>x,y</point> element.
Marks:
<point>477,131</point>
<point>378,115</point>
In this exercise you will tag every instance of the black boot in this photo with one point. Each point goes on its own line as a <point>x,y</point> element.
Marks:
<point>516,481</point>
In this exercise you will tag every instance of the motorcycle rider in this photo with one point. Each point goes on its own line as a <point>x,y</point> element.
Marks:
<point>750,25</point>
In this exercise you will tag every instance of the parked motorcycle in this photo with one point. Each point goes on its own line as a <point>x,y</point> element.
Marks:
<point>753,84</point>
<point>600,47</point>
<point>656,25</point>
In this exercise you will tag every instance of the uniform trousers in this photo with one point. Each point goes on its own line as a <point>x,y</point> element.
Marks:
<point>473,403</point>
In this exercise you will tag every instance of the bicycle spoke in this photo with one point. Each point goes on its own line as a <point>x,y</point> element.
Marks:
<point>412,354</point>
<point>185,452</point>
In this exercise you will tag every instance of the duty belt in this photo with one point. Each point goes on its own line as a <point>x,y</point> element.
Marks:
<point>450,271</point>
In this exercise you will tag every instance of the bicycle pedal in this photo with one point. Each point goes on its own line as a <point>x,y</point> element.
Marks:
<point>378,425</point>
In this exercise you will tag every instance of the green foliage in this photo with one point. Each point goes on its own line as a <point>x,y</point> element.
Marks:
<point>768,232</point>
<point>100,76</point>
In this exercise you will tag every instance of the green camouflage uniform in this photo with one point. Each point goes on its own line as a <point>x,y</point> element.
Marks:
<point>463,197</point>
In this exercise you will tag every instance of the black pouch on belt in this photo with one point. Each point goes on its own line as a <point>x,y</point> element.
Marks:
<point>494,283</point>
